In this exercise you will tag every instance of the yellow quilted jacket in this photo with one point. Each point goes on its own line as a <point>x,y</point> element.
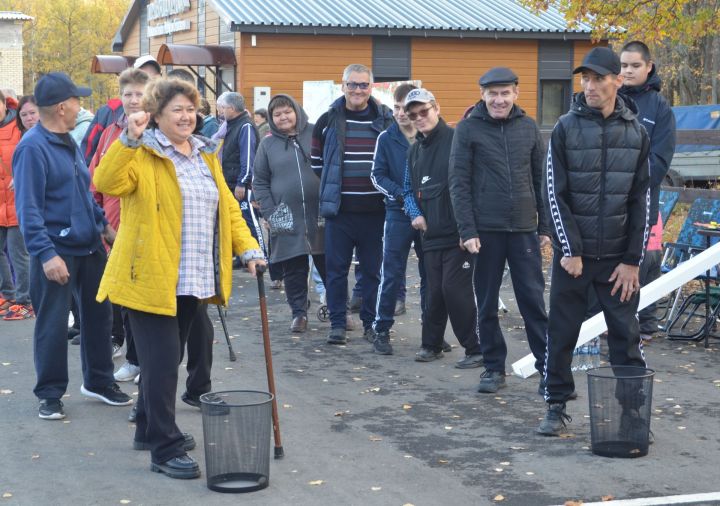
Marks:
<point>142,270</point>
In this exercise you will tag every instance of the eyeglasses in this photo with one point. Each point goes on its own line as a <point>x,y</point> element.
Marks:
<point>422,113</point>
<point>353,86</point>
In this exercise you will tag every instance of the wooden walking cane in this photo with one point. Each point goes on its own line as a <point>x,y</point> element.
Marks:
<point>260,270</point>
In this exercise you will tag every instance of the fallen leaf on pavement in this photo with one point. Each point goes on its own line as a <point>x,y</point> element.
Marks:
<point>573,503</point>
<point>375,438</point>
<point>504,463</point>
<point>517,448</point>
<point>287,405</point>
<point>530,473</point>
<point>316,482</point>
<point>499,498</point>
<point>448,427</point>
<point>375,489</point>
<point>35,456</point>
<point>5,391</point>
<point>7,495</point>
<point>407,406</point>
<point>125,501</point>
<point>442,461</point>
<point>6,363</point>
<point>607,498</point>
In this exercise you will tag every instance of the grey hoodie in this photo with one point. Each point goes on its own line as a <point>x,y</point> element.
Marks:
<point>287,190</point>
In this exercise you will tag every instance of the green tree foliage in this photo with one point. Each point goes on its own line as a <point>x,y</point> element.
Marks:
<point>65,35</point>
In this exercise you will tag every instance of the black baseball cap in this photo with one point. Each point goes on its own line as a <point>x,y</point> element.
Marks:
<point>601,60</point>
<point>55,87</point>
<point>498,75</point>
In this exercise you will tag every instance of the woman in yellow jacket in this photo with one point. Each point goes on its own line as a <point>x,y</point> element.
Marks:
<point>180,228</point>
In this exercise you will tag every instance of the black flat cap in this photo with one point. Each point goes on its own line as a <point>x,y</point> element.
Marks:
<point>601,60</point>
<point>498,75</point>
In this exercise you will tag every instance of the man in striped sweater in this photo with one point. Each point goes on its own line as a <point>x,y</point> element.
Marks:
<point>343,145</point>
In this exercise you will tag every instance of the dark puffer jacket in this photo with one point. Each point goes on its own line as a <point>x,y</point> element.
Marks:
<point>658,119</point>
<point>496,174</point>
<point>598,182</point>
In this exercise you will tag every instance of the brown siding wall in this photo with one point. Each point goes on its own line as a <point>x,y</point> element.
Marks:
<point>283,62</point>
<point>450,68</point>
<point>132,44</point>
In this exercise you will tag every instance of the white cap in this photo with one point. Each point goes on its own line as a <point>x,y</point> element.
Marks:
<point>144,60</point>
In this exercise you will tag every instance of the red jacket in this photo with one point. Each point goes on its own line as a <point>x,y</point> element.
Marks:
<point>9,138</point>
<point>111,205</point>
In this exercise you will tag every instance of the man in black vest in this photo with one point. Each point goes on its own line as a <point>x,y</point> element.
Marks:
<point>598,193</point>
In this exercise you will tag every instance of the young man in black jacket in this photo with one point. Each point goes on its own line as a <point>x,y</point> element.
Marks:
<point>597,182</point>
<point>496,174</point>
<point>643,85</point>
<point>448,266</point>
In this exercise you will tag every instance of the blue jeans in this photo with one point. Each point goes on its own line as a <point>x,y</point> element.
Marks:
<point>20,290</point>
<point>343,233</point>
<point>397,239</point>
<point>51,302</point>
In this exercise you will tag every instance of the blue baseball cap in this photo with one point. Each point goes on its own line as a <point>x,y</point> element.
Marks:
<point>55,87</point>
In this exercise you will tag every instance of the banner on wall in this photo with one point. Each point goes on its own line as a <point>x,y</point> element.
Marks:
<point>318,95</point>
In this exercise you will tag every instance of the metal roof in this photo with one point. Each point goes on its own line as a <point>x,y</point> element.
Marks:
<point>14,16</point>
<point>432,17</point>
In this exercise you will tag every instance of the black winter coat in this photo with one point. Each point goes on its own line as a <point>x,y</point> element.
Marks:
<point>659,121</point>
<point>239,150</point>
<point>428,167</point>
<point>496,174</point>
<point>598,183</point>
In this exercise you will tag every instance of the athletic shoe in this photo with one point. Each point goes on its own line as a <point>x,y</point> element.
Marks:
<point>137,380</point>
<point>132,417</point>
<point>72,332</point>
<point>491,381</point>
<point>19,312</point>
<point>400,308</point>
<point>117,351</point>
<point>369,335</point>
<point>183,467</point>
<point>555,420</point>
<point>51,409</point>
<point>111,395</point>
<point>337,336</point>
<point>188,443</point>
<point>470,361</point>
<point>355,304</point>
<point>5,305</point>
<point>276,285</point>
<point>75,340</point>
<point>446,348</point>
<point>381,344</point>
<point>127,372</point>
<point>427,355</point>
<point>194,401</point>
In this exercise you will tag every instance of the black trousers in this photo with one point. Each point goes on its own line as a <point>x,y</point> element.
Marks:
<point>122,334</point>
<point>449,278</point>
<point>521,251</point>
<point>295,273</point>
<point>568,304</point>
<point>160,341</point>
<point>199,349</point>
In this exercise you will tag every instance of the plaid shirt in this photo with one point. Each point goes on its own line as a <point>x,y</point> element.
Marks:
<point>200,207</point>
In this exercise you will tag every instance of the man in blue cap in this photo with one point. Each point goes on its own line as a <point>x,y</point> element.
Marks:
<point>496,174</point>
<point>63,228</point>
<point>597,180</point>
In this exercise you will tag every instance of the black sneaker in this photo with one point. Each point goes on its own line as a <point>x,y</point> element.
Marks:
<point>355,304</point>
<point>188,443</point>
<point>446,348</point>
<point>491,381</point>
<point>400,308</point>
<point>369,335</point>
<point>51,409</point>
<point>111,394</point>
<point>470,361</point>
<point>75,340</point>
<point>381,344</point>
<point>337,336</point>
<point>132,417</point>
<point>427,355</point>
<point>183,467</point>
<point>555,420</point>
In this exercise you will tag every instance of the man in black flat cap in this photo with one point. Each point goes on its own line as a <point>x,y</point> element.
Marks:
<point>496,174</point>
<point>63,228</point>
<point>597,180</point>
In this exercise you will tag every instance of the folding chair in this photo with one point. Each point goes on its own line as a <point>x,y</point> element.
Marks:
<point>668,199</point>
<point>688,243</point>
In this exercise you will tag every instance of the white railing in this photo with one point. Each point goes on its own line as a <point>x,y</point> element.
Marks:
<point>686,271</point>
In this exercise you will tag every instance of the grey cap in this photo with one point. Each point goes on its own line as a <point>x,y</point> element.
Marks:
<point>498,75</point>
<point>419,95</point>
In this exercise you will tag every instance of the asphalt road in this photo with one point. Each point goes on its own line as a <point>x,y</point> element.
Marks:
<point>360,429</point>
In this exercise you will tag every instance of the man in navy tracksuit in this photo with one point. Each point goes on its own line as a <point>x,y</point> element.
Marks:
<point>387,175</point>
<point>63,228</point>
<point>642,84</point>
<point>343,145</point>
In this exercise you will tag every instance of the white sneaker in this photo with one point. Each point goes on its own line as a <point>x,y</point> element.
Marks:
<point>117,350</point>
<point>127,372</point>
<point>137,380</point>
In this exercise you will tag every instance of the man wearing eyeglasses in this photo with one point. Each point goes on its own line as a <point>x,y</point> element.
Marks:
<point>448,266</point>
<point>343,144</point>
<point>496,174</point>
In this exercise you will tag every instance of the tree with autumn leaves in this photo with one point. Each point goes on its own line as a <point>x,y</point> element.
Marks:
<point>684,36</point>
<point>65,35</point>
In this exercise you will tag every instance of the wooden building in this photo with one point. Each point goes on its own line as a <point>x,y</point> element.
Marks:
<point>446,44</point>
